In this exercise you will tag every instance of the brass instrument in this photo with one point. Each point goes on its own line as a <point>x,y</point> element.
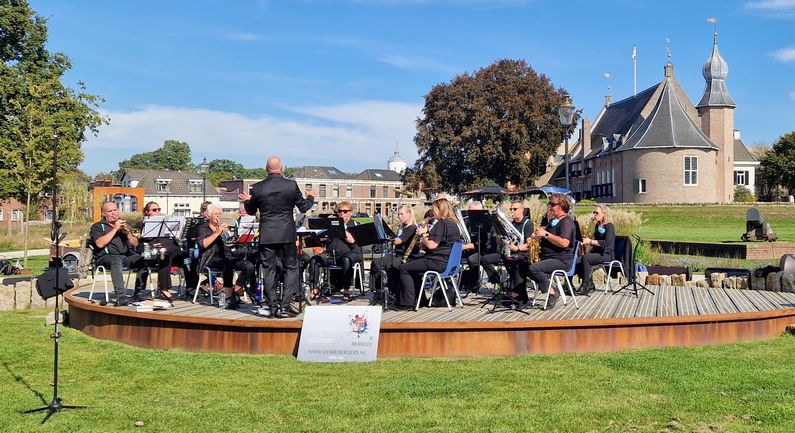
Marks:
<point>410,247</point>
<point>462,227</point>
<point>533,243</point>
<point>514,236</point>
<point>584,231</point>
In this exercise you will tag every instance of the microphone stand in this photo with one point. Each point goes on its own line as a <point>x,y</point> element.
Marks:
<point>56,405</point>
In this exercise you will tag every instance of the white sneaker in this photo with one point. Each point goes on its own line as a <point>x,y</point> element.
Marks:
<point>264,311</point>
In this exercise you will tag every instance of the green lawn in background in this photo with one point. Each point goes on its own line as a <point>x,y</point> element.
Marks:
<point>745,387</point>
<point>712,223</point>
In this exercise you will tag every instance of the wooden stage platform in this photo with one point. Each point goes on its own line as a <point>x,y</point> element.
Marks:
<point>673,316</point>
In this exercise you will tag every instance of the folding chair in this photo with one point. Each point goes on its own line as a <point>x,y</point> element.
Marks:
<point>566,275</point>
<point>451,273</point>
<point>618,250</point>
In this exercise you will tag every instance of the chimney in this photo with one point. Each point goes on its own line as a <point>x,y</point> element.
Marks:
<point>608,100</point>
<point>585,136</point>
<point>737,134</point>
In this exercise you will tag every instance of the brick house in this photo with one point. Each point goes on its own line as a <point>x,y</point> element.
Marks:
<point>177,192</point>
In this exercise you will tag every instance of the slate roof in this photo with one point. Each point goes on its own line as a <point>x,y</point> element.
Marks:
<point>320,172</point>
<point>668,125</point>
<point>180,184</point>
<point>741,152</point>
<point>618,118</point>
<point>379,175</point>
<point>715,71</point>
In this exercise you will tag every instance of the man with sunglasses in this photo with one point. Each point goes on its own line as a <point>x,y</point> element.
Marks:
<point>557,240</point>
<point>275,197</point>
<point>517,262</point>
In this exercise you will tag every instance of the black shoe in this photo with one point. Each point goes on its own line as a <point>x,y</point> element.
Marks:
<point>280,313</point>
<point>122,301</point>
<point>137,297</point>
<point>552,300</point>
<point>403,307</point>
<point>234,305</point>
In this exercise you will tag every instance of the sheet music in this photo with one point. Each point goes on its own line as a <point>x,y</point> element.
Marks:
<point>162,227</point>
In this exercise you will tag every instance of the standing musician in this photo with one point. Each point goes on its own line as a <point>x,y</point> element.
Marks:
<point>517,260</point>
<point>343,252</point>
<point>215,254</point>
<point>275,197</point>
<point>557,240</point>
<point>602,245</point>
<point>173,253</point>
<point>482,251</point>
<point>437,243</point>
<point>391,263</point>
<point>113,247</point>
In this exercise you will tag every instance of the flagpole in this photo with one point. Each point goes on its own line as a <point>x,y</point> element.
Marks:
<point>635,69</point>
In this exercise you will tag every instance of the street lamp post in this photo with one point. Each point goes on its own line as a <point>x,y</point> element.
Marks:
<point>566,112</point>
<point>203,167</point>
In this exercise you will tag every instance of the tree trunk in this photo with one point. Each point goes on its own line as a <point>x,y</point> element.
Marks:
<point>25,230</point>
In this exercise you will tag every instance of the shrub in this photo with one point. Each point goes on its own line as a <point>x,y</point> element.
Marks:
<point>743,194</point>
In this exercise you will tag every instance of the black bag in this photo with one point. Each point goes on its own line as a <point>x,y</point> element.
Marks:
<point>45,283</point>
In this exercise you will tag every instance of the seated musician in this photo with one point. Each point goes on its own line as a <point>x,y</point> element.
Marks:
<point>482,251</point>
<point>556,241</point>
<point>216,255</point>
<point>517,261</point>
<point>343,253</point>
<point>390,263</point>
<point>113,247</point>
<point>437,243</point>
<point>601,247</point>
<point>173,254</point>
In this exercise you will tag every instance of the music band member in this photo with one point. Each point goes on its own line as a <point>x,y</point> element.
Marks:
<point>482,251</point>
<point>556,241</point>
<point>274,198</point>
<point>343,252</point>
<point>114,247</point>
<point>163,264</point>
<point>390,263</point>
<point>601,246</point>
<point>437,243</point>
<point>517,261</point>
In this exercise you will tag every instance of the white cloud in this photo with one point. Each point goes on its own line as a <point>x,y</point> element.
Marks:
<point>785,55</point>
<point>352,136</point>
<point>772,5</point>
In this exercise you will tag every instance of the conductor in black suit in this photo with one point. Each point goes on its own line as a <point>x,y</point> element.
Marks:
<point>274,198</point>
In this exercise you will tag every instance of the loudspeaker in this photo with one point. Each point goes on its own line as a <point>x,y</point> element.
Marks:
<point>45,284</point>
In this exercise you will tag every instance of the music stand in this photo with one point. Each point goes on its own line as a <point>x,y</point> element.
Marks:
<point>632,280</point>
<point>334,227</point>
<point>480,220</point>
<point>499,295</point>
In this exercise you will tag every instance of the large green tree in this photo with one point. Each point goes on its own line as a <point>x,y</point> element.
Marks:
<point>497,125</point>
<point>777,166</point>
<point>173,155</point>
<point>35,106</point>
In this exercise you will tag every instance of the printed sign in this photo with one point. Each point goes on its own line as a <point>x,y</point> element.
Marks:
<point>340,334</point>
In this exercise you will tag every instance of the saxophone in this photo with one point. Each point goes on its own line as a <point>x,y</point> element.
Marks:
<point>533,244</point>
<point>414,239</point>
<point>584,231</point>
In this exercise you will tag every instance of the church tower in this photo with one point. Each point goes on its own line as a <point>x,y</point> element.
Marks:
<point>716,110</point>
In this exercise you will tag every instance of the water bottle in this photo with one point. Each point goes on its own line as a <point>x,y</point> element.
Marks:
<point>147,252</point>
<point>222,300</point>
<point>258,293</point>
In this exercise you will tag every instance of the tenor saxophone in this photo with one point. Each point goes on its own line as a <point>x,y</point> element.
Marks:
<point>414,239</point>
<point>533,245</point>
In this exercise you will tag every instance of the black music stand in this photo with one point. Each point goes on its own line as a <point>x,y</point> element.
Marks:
<point>632,280</point>
<point>334,228</point>
<point>155,227</point>
<point>481,221</point>
<point>500,295</point>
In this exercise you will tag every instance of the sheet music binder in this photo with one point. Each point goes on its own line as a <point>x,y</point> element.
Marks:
<point>162,227</point>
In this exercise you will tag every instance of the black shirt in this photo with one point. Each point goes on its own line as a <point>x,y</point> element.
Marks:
<point>445,233</point>
<point>118,244</point>
<point>405,235</point>
<point>340,247</point>
<point>563,227</point>
<point>606,240</point>
<point>215,249</point>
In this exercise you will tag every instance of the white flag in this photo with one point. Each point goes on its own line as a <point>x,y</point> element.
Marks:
<point>634,52</point>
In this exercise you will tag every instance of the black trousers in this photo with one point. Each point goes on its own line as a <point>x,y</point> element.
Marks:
<point>341,279</point>
<point>470,277</point>
<point>411,277</point>
<point>540,272</point>
<point>274,255</point>
<point>587,263</point>
<point>116,262</point>
<point>390,264</point>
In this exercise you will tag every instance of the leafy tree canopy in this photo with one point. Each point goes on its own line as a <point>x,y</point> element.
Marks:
<point>36,105</point>
<point>498,125</point>
<point>173,155</point>
<point>777,167</point>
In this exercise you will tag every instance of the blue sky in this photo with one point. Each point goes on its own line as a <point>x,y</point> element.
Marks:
<point>324,82</point>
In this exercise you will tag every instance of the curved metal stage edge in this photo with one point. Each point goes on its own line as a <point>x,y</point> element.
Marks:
<point>603,323</point>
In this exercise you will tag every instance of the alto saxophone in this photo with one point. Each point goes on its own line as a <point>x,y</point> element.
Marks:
<point>414,239</point>
<point>585,232</point>
<point>533,244</point>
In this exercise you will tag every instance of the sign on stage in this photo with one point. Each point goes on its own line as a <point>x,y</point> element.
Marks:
<point>340,334</point>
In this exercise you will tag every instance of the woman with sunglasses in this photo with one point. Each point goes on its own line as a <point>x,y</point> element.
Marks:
<point>161,262</point>
<point>602,244</point>
<point>344,252</point>
<point>557,240</point>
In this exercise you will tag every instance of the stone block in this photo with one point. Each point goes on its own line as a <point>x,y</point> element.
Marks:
<point>691,284</point>
<point>641,277</point>
<point>678,280</point>
<point>665,280</point>
<point>729,283</point>
<point>788,283</point>
<point>703,284</point>
<point>757,283</point>
<point>36,301</point>
<point>742,283</point>
<point>773,282</point>
<point>50,320</point>
<point>716,279</point>
<point>22,295</point>
<point>598,277</point>
<point>7,298</point>
<point>653,280</point>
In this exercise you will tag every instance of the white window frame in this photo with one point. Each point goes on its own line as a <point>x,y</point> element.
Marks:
<point>195,186</point>
<point>1,215</point>
<point>642,185</point>
<point>16,215</point>
<point>163,185</point>
<point>693,172</point>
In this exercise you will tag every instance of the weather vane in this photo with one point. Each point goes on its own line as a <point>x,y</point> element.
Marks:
<point>668,49</point>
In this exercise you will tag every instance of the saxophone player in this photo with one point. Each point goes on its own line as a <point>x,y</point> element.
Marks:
<point>390,263</point>
<point>517,261</point>
<point>602,244</point>
<point>557,240</point>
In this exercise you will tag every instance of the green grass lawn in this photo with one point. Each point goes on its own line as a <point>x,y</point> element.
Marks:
<point>709,223</point>
<point>747,387</point>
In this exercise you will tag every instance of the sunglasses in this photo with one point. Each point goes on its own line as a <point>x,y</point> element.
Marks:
<point>552,204</point>
<point>343,210</point>
<point>514,209</point>
<point>156,209</point>
<point>596,213</point>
